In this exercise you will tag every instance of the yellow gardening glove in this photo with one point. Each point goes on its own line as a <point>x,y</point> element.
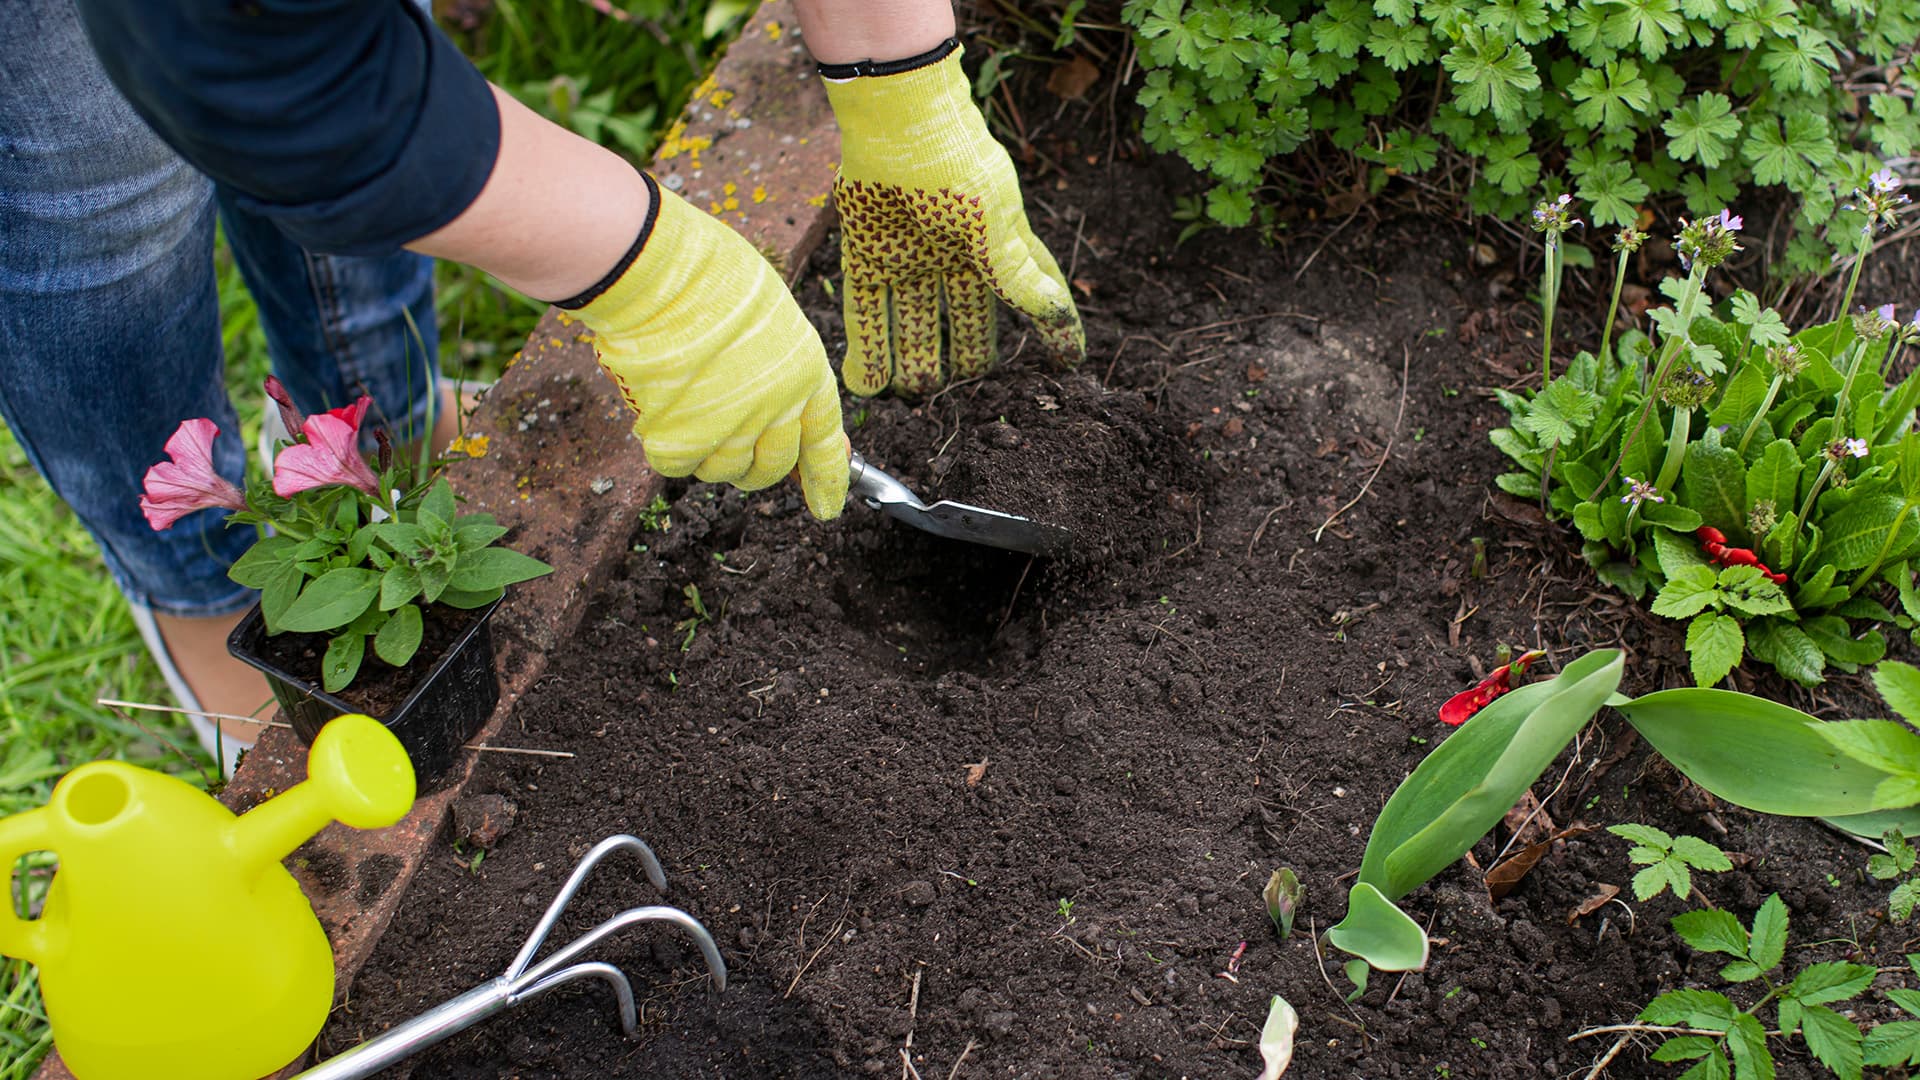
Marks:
<point>930,209</point>
<point>726,378</point>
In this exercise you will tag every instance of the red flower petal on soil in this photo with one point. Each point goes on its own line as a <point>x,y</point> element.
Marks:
<point>331,454</point>
<point>1464,704</point>
<point>189,482</point>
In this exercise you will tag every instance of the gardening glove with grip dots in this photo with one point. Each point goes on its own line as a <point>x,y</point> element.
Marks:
<point>930,209</point>
<point>727,379</point>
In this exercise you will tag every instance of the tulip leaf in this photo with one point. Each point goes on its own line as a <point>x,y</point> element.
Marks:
<point>1378,932</point>
<point>332,600</point>
<point>1753,752</point>
<point>1276,1038</point>
<point>1464,787</point>
<point>1886,745</point>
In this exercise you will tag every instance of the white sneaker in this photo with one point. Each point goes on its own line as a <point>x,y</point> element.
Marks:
<point>225,748</point>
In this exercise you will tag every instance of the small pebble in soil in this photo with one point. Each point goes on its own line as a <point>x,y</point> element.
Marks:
<point>481,820</point>
<point>919,893</point>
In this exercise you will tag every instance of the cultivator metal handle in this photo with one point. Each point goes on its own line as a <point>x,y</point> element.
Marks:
<point>523,983</point>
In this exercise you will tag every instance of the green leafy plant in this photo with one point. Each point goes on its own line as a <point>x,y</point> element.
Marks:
<point>1282,896</point>
<point>1616,101</point>
<point>1894,866</point>
<point>1897,1042</point>
<point>1752,752</point>
<point>1761,484</point>
<point>690,626</point>
<point>1721,1030</point>
<point>1667,862</point>
<point>343,549</point>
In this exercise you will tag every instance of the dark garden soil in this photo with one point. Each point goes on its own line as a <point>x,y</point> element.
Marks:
<point>1015,818</point>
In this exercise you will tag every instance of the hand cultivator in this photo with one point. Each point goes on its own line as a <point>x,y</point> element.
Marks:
<point>522,982</point>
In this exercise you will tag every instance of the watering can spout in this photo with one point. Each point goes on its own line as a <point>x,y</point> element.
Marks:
<point>357,774</point>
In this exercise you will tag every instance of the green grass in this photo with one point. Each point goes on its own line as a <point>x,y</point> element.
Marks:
<point>66,637</point>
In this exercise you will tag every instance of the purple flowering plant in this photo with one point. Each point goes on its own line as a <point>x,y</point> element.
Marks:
<point>1758,480</point>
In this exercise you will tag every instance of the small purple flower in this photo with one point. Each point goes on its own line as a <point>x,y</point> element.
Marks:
<point>1639,491</point>
<point>1856,447</point>
<point>1731,221</point>
<point>1885,311</point>
<point>1885,181</point>
<point>1553,216</point>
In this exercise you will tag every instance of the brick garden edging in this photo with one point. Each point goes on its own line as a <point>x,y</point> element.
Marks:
<point>757,146</point>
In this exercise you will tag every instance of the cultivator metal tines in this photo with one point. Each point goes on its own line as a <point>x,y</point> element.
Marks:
<point>522,983</point>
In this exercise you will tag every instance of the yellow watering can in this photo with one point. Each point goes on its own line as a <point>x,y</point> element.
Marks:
<point>173,943</point>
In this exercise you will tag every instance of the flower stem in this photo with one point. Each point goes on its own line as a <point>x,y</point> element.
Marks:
<point>1676,448</point>
<point>1549,299</point>
<point>1613,307</point>
<point>1669,351</point>
<point>1846,389</point>
<point>1814,493</point>
<point>1885,546</point>
<point>1766,406</point>
<point>1853,279</point>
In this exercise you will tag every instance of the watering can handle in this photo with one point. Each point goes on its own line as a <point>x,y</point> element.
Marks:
<point>20,834</point>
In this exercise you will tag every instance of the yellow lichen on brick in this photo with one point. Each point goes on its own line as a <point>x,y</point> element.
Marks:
<point>566,318</point>
<point>760,193</point>
<point>474,446</point>
<point>775,31</point>
<point>819,200</point>
<point>719,98</point>
<point>676,142</point>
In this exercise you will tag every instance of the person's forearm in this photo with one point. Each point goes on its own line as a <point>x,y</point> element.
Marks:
<point>555,215</point>
<point>846,31</point>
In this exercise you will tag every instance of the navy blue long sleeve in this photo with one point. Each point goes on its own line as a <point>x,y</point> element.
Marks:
<point>355,125</point>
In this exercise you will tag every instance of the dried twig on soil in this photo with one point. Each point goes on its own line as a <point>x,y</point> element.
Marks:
<point>1406,362</point>
<point>1607,1058</point>
<point>961,1060</point>
<point>802,943</point>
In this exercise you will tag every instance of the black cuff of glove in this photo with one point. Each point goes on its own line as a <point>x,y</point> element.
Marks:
<point>842,72</point>
<point>575,303</point>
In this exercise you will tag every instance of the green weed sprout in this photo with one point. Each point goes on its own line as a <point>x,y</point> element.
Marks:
<point>1668,861</point>
<point>1895,865</point>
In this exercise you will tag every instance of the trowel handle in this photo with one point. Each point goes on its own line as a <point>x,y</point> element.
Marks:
<point>877,489</point>
<point>20,834</point>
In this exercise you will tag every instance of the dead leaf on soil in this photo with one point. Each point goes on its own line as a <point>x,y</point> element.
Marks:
<point>1528,821</point>
<point>1517,511</point>
<point>1506,874</point>
<point>1593,903</point>
<point>1343,203</point>
<point>1256,373</point>
<point>1073,79</point>
<point>976,771</point>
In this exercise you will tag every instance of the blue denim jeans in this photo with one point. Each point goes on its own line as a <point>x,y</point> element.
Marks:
<point>110,321</point>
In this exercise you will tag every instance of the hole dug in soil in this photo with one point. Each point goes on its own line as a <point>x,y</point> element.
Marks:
<point>1015,819</point>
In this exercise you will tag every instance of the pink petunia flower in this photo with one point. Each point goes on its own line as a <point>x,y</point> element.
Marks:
<point>331,454</point>
<point>189,481</point>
